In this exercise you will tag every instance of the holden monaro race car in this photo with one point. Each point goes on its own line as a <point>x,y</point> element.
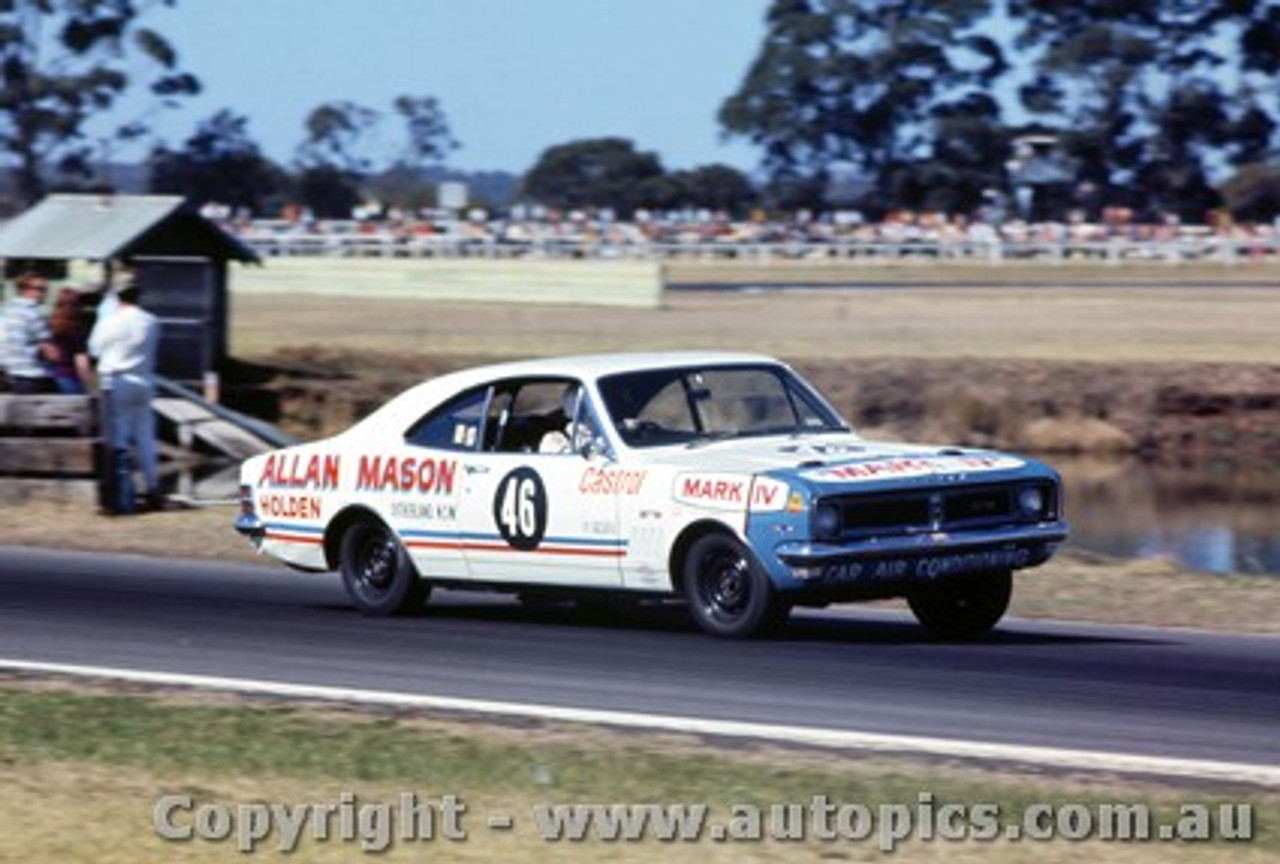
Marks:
<point>724,480</point>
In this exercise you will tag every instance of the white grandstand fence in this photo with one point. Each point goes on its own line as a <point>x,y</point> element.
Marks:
<point>1114,251</point>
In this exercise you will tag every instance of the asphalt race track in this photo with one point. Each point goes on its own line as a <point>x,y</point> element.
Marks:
<point>1172,694</point>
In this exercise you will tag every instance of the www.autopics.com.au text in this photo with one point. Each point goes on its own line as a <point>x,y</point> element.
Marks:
<point>412,818</point>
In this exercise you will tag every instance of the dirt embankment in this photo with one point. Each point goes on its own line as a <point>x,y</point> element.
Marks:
<point>1167,411</point>
<point>1171,412</point>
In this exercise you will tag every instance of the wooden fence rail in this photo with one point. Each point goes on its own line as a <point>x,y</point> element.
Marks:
<point>48,449</point>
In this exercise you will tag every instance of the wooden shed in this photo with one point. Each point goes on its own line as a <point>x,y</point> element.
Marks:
<point>178,257</point>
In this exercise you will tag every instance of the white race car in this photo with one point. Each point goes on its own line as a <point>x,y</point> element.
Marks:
<point>721,479</point>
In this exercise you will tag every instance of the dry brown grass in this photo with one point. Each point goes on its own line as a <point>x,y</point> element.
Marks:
<point>1153,592</point>
<point>922,271</point>
<point>1073,435</point>
<point>58,812</point>
<point>89,794</point>
<point>203,532</point>
<point>1086,324</point>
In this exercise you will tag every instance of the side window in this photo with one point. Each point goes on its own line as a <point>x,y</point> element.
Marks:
<point>744,400</point>
<point>540,415</point>
<point>809,415</point>
<point>571,427</point>
<point>453,426</point>
<point>534,409</point>
<point>669,408</point>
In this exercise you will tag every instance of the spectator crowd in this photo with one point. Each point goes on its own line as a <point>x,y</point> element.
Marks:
<point>1115,233</point>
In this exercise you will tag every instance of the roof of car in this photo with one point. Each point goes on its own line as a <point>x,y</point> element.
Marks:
<point>584,366</point>
<point>596,365</point>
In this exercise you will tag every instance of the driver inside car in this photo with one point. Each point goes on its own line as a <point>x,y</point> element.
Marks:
<point>578,431</point>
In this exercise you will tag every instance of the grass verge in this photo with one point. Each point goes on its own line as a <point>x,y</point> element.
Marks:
<point>81,772</point>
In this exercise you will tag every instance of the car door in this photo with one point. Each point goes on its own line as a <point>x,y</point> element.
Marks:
<point>522,514</point>
<point>421,482</point>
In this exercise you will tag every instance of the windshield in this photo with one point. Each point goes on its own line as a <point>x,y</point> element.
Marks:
<point>655,407</point>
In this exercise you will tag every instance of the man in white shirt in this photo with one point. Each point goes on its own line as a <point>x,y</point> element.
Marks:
<point>26,338</point>
<point>124,342</point>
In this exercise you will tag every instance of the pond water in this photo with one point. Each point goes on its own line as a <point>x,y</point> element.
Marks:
<point>1210,518</point>
<point>1215,519</point>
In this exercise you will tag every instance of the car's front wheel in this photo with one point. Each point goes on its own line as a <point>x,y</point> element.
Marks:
<point>728,593</point>
<point>962,607</point>
<point>377,572</point>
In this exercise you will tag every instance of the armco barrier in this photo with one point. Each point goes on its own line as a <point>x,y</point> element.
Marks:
<point>604,283</point>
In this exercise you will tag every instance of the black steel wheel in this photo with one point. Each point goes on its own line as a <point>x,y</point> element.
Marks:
<point>728,593</point>
<point>962,607</point>
<point>377,572</point>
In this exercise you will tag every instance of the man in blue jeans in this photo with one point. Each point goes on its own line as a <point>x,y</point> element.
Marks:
<point>124,341</point>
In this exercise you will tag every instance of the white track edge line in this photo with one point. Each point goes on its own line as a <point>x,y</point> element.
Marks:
<point>1054,757</point>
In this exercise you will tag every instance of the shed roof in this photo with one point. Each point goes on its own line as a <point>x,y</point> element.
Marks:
<point>101,227</point>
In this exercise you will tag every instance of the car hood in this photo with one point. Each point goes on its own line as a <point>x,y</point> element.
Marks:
<point>843,459</point>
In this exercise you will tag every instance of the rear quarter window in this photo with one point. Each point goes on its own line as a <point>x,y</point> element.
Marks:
<point>455,425</point>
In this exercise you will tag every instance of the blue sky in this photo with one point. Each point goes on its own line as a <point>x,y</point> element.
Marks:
<point>514,76</point>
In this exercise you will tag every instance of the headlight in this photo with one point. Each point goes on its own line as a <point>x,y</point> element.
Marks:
<point>1032,502</point>
<point>826,521</point>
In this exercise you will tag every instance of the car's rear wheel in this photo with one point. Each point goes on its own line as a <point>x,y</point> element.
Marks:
<point>962,607</point>
<point>377,572</point>
<point>728,593</point>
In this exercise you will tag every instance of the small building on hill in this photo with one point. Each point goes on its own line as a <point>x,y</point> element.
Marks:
<point>178,257</point>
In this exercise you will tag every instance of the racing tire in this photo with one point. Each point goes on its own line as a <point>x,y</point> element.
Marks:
<point>729,594</point>
<point>377,573</point>
<point>962,608</point>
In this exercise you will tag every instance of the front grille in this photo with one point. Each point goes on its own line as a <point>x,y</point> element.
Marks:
<point>860,514</point>
<point>979,504</point>
<point>926,510</point>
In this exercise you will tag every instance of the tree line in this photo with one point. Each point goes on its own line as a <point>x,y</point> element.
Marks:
<point>1034,108</point>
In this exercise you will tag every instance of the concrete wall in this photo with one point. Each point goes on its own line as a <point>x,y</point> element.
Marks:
<point>604,283</point>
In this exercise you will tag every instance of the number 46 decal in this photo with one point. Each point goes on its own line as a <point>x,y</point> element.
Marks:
<point>520,509</point>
